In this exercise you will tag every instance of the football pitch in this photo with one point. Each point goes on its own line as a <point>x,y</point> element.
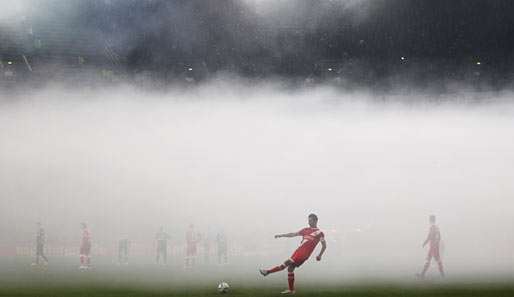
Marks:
<point>66,280</point>
<point>202,290</point>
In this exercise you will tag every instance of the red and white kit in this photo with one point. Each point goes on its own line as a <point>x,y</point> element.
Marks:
<point>311,238</point>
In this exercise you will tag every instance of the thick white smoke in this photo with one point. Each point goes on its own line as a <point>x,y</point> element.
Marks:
<point>254,161</point>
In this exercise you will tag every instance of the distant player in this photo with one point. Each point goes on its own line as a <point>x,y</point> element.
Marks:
<point>161,239</point>
<point>433,240</point>
<point>221,242</point>
<point>192,239</point>
<point>123,251</point>
<point>85,248</point>
<point>40,244</point>
<point>310,238</point>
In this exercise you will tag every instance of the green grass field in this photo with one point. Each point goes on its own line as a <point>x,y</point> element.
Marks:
<point>65,280</point>
<point>378,291</point>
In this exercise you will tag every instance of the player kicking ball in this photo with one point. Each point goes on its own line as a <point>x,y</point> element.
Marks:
<point>311,236</point>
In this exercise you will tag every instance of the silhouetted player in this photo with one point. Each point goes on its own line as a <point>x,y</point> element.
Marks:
<point>221,241</point>
<point>162,245</point>
<point>310,238</point>
<point>85,248</point>
<point>433,240</point>
<point>40,244</point>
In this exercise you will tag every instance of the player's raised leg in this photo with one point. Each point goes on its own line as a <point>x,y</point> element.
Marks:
<point>277,268</point>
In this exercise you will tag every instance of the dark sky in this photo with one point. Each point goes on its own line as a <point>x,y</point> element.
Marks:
<point>361,38</point>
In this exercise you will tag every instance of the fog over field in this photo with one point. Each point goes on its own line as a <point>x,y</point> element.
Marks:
<point>255,160</point>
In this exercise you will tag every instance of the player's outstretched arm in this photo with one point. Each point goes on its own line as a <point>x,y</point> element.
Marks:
<point>292,234</point>
<point>323,248</point>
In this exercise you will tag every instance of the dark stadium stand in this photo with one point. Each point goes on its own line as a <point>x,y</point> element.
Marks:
<point>190,40</point>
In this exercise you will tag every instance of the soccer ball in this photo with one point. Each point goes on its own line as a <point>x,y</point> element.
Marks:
<point>223,287</point>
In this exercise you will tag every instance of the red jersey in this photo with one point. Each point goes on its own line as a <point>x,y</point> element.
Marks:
<point>311,238</point>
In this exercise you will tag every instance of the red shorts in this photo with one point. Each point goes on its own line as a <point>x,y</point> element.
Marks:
<point>85,248</point>
<point>433,252</point>
<point>299,256</point>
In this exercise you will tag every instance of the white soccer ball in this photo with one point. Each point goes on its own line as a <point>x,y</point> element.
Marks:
<point>223,287</point>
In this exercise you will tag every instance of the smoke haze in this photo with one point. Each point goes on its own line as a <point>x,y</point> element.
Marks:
<point>255,160</point>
